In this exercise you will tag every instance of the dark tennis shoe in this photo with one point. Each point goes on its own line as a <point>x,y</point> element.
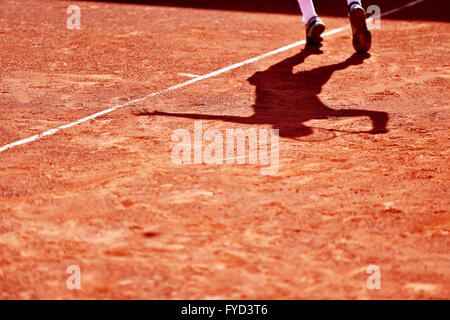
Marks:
<point>362,39</point>
<point>314,28</point>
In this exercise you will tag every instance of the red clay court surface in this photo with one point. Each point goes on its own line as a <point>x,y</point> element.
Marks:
<point>106,196</point>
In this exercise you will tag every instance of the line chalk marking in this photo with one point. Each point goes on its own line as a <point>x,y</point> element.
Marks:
<point>189,82</point>
<point>190,75</point>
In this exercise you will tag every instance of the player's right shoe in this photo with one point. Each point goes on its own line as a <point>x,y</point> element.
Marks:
<point>314,29</point>
<point>362,39</point>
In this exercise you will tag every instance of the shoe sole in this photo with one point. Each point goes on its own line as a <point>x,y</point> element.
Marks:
<point>362,38</point>
<point>316,31</point>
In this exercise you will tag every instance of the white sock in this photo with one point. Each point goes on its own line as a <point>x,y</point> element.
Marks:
<point>350,1</point>
<point>307,8</point>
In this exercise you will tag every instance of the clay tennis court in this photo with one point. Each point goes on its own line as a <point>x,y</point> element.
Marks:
<point>363,174</point>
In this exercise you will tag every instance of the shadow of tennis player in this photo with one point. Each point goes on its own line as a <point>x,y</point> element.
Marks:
<point>287,100</point>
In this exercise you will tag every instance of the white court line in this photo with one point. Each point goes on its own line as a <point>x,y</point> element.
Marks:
<point>190,75</point>
<point>410,4</point>
<point>184,84</point>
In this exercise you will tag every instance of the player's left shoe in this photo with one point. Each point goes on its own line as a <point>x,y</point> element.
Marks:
<point>362,38</point>
<point>314,29</point>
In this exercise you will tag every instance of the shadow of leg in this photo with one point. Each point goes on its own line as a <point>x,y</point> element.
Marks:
<point>379,118</point>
